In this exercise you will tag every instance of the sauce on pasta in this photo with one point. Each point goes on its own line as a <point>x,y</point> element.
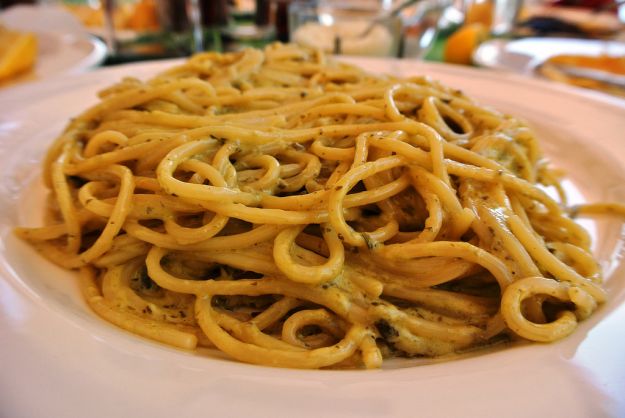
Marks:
<point>295,211</point>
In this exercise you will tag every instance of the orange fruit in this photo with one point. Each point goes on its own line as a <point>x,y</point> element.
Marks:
<point>461,44</point>
<point>144,16</point>
<point>18,51</point>
<point>480,12</point>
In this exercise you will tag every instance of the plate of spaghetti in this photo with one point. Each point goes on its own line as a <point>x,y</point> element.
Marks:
<point>278,232</point>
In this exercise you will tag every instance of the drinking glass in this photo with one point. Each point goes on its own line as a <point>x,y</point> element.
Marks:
<point>366,27</point>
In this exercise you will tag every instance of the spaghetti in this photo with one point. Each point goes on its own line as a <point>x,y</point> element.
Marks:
<point>294,211</point>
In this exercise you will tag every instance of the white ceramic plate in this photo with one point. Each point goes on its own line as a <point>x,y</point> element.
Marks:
<point>60,360</point>
<point>522,55</point>
<point>589,20</point>
<point>60,53</point>
<point>64,46</point>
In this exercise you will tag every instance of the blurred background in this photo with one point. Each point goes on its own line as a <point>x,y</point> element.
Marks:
<point>503,34</point>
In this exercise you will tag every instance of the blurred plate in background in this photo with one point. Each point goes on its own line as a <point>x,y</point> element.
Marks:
<point>523,55</point>
<point>64,46</point>
<point>59,53</point>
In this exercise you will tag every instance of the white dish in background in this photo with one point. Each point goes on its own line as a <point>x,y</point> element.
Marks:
<point>64,46</point>
<point>67,53</point>
<point>522,55</point>
<point>593,21</point>
<point>61,360</point>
